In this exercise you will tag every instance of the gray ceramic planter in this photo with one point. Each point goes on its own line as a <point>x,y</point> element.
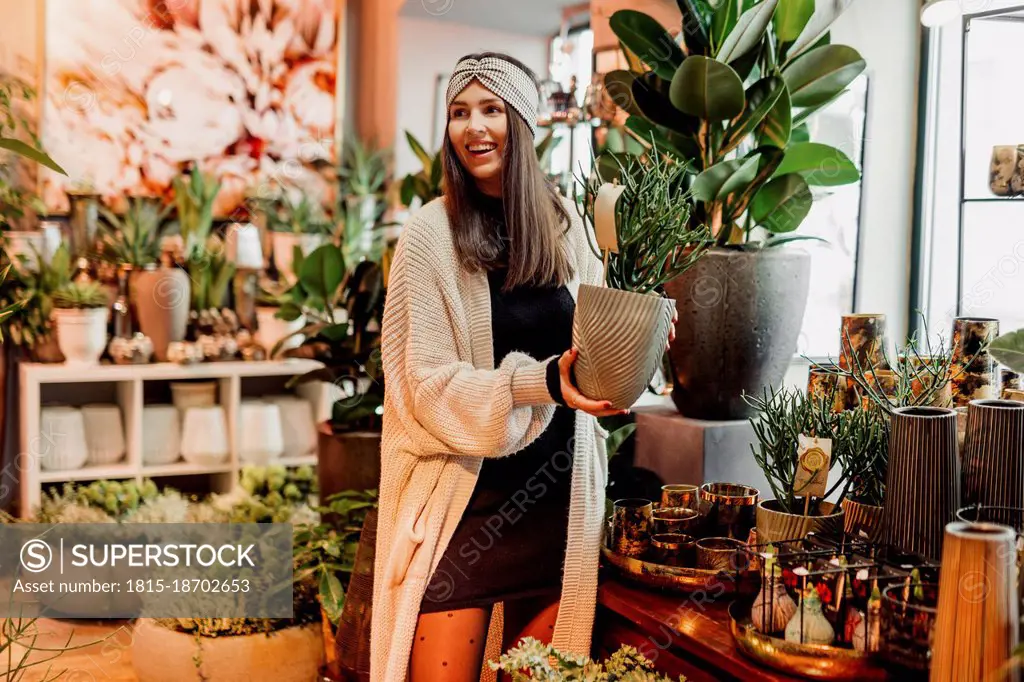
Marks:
<point>621,338</point>
<point>740,314</point>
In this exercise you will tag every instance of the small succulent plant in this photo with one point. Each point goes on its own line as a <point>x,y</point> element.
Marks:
<point>80,295</point>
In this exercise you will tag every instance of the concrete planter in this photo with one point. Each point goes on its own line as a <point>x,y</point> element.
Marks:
<point>740,314</point>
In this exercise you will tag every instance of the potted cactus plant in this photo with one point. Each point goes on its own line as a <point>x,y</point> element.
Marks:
<point>732,101</point>
<point>621,329</point>
<point>80,313</point>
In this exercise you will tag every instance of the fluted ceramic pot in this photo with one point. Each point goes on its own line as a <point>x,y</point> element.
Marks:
<point>861,519</point>
<point>922,490</point>
<point>621,337</point>
<point>863,349</point>
<point>974,372</point>
<point>775,525</point>
<point>161,297</point>
<point>993,453</point>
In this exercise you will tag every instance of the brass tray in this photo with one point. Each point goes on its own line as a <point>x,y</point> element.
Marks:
<point>678,578</point>
<point>814,661</point>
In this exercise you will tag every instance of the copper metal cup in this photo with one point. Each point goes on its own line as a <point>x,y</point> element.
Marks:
<point>676,520</point>
<point>730,509</point>
<point>680,495</point>
<point>631,526</point>
<point>720,554</point>
<point>672,549</point>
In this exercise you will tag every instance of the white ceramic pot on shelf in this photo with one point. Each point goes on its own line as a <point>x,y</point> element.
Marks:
<point>204,436</point>
<point>298,425</point>
<point>284,249</point>
<point>81,334</point>
<point>104,433</point>
<point>186,394</point>
<point>321,395</point>
<point>260,439</point>
<point>161,435</point>
<point>270,329</point>
<point>62,442</point>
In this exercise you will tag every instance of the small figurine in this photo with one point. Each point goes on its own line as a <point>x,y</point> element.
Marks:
<point>135,350</point>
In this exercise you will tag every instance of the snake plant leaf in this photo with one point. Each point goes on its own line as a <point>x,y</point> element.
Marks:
<point>748,32</point>
<point>696,26</point>
<point>649,40</point>
<point>825,13</point>
<point>29,152</point>
<point>819,164</point>
<point>436,171</point>
<point>724,178</point>
<point>769,158</point>
<point>822,73</point>
<point>777,125</point>
<point>782,204</point>
<point>791,17</point>
<point>619,86</point>
<point>1008,350</point>
<point>708,89</point>
<point>761,99</point>
<point>651,95</point>
<point>420,151</point>
<point>323,271</point>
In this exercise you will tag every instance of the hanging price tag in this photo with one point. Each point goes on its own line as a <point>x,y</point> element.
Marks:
<point>813,456</point>
<point>604,216</point>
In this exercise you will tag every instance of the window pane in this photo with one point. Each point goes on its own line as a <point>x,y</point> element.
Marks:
<point>993,262</point>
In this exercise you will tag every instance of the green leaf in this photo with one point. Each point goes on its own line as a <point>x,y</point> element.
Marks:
<point>617,437</point>
<point>1008,350</point>
<point>332,596</point>
<point>696,26</point>
<point>421,153</point>
<point>648,40</point>
<point>805,113</point>
<point>801,133</point>
<point>408,189</point>
<point>776,127</point>
<point>37,155</point>
<point>779,241</point>
<point>819,164</point>
<point>724,20</point>
<point>436,171</point>
<point>678,145</point>
<point>761,99</point>
<point>322,271</point>
<point>749,31</point>
<point>619,86</point>
<point>289,312</point>
<point>782,204</point>
<point>791,17</point>
<point>651,95</point>
<point>825,13</point>
<point>822,73</point>
<point>707,89</point>
<point>724,178</point>
<point>769,159</point>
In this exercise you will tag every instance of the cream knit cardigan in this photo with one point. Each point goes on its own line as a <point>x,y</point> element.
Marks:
<point>447,407</point>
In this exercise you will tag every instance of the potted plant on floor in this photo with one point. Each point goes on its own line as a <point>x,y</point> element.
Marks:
<point>858,442</point>
<point>732,102</point>
<point>620,329</point>
<point>80,311</point>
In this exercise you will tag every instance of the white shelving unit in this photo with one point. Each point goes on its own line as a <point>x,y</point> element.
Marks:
<point>132,386</point>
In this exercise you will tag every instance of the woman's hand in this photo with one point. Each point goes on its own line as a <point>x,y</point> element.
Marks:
<point>672,328</point>
<point>572,396</point>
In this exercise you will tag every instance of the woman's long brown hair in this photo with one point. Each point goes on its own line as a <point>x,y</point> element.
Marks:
<point>535,217</point>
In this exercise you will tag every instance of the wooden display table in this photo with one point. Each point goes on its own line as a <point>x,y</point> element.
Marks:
<point>683,634</point>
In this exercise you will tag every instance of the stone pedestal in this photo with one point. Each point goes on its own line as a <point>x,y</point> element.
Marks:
<point>683,450</point>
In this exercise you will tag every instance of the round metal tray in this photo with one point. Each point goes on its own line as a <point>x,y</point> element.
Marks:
<point>814,661</point>
<point>678,578</point>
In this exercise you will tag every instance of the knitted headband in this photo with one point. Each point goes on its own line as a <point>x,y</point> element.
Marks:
<point>504,79</point>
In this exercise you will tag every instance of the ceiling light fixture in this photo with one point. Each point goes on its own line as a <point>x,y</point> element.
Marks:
<point>939,12</point>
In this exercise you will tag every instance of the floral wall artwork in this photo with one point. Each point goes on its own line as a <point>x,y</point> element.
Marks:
<point>136,90</point>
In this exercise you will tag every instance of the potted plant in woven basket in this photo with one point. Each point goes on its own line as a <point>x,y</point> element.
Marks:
<point>787,422</point>
<point>640,227</point>
<point>733,100</point>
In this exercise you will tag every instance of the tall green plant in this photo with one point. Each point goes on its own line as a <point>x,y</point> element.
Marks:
<point>134,237</point>
<point>194,194</point>
<point>733,101</point>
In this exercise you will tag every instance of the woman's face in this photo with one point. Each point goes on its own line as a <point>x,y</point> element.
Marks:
<point>477,128</point>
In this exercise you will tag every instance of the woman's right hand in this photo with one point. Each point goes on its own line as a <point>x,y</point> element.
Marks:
<point>572,396</point>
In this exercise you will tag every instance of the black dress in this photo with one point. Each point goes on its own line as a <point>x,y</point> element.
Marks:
<point>510,543</point>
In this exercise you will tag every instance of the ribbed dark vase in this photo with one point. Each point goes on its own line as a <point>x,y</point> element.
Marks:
<point>923,483</point>
<point>993,459</point>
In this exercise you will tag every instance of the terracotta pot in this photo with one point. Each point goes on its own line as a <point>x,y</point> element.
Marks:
<point>161,297</point>
<point>621,338</point>
<point>81,334</point>
<point>740,314</point>
<point>775,525</point>
<point>293,654</point>
<point>862,518</point>
<point>347,461</point>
